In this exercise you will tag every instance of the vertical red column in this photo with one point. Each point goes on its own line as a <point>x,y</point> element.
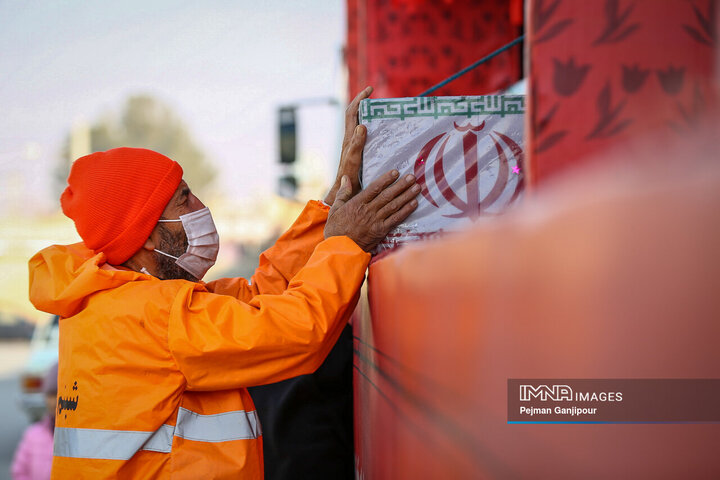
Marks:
<point>605,72</point>
<point>403,47</point>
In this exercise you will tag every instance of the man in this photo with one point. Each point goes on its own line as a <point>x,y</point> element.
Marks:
<point>154,363</point>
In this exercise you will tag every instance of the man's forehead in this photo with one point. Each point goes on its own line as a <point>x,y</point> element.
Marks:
<point>182,190</point>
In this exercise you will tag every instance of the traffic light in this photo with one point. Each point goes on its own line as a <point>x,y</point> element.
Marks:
<point>287,186</point>
<point>288,146</point>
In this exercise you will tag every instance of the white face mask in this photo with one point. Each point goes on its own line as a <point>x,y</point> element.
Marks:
<point>203,243</point>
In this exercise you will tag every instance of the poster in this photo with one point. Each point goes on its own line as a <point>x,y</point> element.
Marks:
<point>466,153</point>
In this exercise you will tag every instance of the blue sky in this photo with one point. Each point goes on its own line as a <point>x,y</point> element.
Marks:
<point>224,66</point>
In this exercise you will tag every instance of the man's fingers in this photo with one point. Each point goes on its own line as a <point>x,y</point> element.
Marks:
<point>355,104</point>
<point>352,158</point>
<point>354,145</point>
<point>390,193</point>
<point>394,220</point>
<point>344,192</point>
<point>351,113</point>
<point>358,139</point>
<point>376,187</point>
<point>399,200</point>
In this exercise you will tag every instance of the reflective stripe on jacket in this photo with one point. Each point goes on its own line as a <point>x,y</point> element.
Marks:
<point>152,372</point>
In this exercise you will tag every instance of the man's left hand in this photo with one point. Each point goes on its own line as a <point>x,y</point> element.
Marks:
<point>349,165</point>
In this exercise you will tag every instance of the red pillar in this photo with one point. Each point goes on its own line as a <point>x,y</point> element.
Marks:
<point>605,72</point>
<point>403,47</point>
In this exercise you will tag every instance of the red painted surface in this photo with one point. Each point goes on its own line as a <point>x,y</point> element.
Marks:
<point>610,275</point>
<point>603,277</point>
<point>404,47</point>
<point>605,72</point>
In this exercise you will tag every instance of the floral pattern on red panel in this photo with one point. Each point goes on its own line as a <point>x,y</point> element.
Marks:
<point>607,71</point>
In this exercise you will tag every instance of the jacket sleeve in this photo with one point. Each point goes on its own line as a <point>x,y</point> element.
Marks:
<point>283,260</point>
<point>220,342</point>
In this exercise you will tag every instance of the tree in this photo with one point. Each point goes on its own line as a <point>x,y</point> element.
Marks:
<point>145,122</point>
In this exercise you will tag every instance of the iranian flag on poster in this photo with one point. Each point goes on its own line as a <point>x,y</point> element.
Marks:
<point>466,152</point>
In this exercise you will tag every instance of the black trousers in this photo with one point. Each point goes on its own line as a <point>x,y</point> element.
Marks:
<point>307,421</point>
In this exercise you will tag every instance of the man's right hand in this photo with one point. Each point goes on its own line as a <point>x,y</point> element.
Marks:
<point>370,215</point>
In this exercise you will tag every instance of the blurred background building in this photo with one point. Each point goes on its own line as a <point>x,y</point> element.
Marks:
<point>200,83</point>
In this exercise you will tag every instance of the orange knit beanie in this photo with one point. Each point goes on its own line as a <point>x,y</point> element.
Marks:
<point>116,197</point>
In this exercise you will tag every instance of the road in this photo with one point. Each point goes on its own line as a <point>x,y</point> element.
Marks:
<point>12,420</point>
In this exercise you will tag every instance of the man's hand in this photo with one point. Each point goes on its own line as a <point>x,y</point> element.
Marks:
<point>350,165</point>
<point>368,216</point>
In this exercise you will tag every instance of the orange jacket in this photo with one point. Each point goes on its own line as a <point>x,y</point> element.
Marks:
<point>152,372</point>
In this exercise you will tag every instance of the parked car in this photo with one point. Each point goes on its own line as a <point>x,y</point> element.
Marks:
<point>43,355</point>
<point>14,327</point>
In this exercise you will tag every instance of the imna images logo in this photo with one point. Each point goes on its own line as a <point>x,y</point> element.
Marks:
<point>613,400</point>
<point>555,393</point>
